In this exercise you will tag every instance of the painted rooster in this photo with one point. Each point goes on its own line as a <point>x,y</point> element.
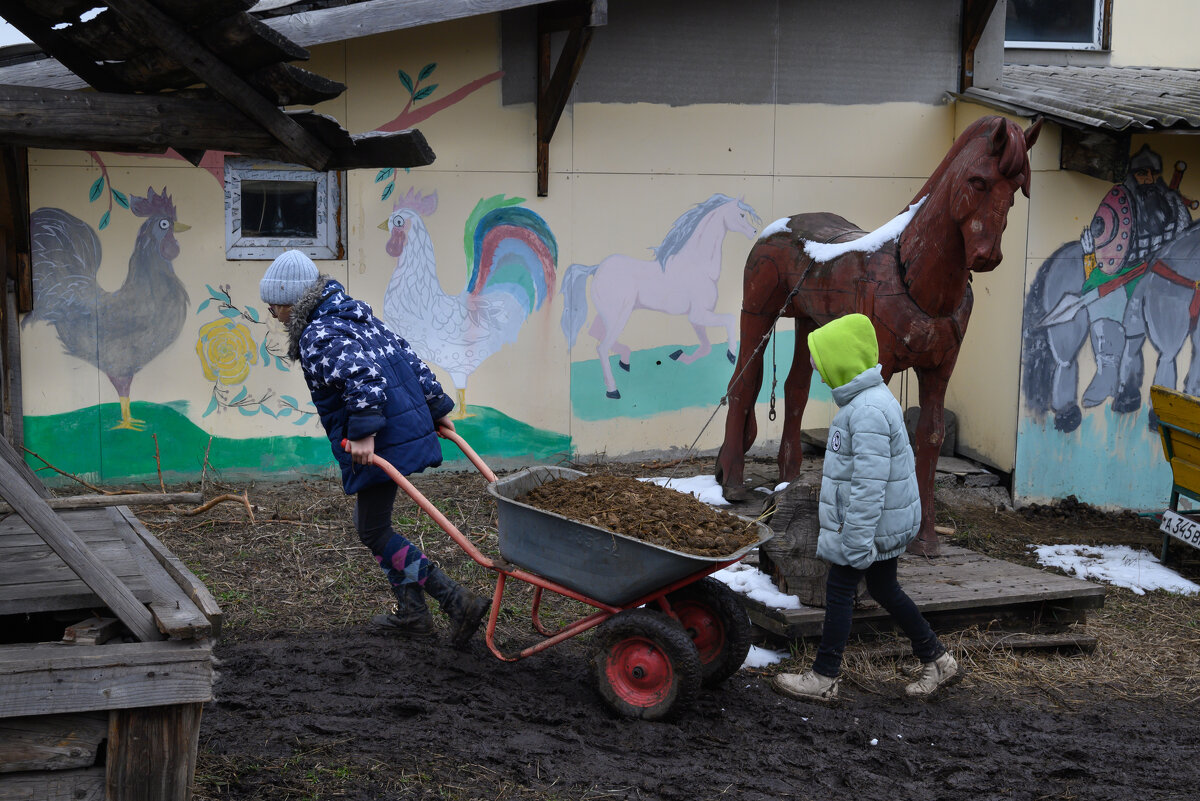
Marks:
<point>121,331</point>
<point>511,256</point>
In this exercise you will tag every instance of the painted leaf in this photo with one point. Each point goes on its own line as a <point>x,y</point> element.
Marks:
<point>426,92</point>
<point>406,80</point>
<point>248,412</point>
<point>230,313</point>
<point>266,355</point>
<point>96,189</point>
<point>267,411</point>
<point>303,419</point>
<point>104,221</point>
<point>212,407</point>
<point>288,399</point>
<point>279,363</point>
<point>387,191</point>
<point>204,305</point>
<point>426,71</point>
<point>240,395</point>
<point>252,313</point>
<point>384,174</point>
<point>216,294</point>
<point>286,411</point>
<point>119,196</point>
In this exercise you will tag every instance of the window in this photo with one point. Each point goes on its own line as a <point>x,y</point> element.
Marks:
<point>1058,24</point>
<point>270,208</point>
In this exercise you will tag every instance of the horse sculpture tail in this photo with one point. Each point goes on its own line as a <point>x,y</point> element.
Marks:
<point>575,306</point>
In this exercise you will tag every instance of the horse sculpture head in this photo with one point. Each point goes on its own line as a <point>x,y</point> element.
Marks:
<point>976,183</point>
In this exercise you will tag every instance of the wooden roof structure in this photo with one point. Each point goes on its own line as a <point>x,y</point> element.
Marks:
<point>193,76</point>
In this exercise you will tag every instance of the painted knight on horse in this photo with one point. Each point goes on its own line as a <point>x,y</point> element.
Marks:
<point>913,284</point>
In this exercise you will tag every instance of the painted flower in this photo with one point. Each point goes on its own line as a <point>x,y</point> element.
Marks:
<point>226,351</point>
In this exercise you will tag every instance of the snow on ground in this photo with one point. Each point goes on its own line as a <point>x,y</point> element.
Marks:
<point>1121,565</point>
<point>705,488</point>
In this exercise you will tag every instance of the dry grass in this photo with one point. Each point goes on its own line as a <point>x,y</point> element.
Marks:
<point>299,566</point>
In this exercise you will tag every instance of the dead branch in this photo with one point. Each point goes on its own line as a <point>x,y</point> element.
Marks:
<point>244,499</point>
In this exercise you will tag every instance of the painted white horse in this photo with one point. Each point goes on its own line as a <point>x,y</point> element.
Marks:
<point>680,279</point>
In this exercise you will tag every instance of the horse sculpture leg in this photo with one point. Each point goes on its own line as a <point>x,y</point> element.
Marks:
<point>795,398</point>
<point>741,428</point>
<point>927,444</point>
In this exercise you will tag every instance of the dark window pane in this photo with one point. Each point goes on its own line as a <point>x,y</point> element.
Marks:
<point>1051,21</point>
<point>279,209</point>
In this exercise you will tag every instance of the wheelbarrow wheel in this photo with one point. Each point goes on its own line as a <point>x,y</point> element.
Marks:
<point>715,619</point>
<point>646,665</point>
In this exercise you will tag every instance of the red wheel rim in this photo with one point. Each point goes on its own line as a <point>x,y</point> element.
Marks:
<point>639,672</point>
<point>704,628</point>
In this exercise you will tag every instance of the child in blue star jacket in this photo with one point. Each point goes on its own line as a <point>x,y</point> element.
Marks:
<point>372,389</point>
<point>869,509</point>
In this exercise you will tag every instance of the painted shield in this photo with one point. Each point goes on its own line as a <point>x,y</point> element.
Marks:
<point>1112,229</point>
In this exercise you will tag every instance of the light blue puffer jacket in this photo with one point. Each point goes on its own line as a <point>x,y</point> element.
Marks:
<point>870,508</point>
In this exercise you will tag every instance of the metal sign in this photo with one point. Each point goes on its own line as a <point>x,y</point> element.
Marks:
<point>1181,528</point>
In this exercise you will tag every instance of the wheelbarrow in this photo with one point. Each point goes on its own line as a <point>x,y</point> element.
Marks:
<point>665,627</point>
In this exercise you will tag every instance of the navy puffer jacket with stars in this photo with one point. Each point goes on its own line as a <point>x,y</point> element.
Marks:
<point>365,379</point>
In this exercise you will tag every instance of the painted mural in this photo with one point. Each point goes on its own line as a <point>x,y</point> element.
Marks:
<point>1129,278</point>
<point>511,258</point>
<point>680,279</point>
<point>118,332</point>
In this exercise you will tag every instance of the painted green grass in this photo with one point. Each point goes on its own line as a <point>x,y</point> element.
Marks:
<point>84,444</point>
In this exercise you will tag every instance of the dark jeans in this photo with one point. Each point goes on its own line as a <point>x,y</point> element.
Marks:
<point>402,561</point>
<point>839,609</point>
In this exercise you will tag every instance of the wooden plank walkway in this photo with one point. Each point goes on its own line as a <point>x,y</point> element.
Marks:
<point>960,588</point>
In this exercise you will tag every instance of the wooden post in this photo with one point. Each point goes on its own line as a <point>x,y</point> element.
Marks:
<point>152,752</point>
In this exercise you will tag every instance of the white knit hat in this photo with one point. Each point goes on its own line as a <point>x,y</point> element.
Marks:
<point>285,280</point>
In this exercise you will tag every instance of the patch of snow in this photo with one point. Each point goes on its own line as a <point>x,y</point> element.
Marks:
<point>1120,565</point>
<point>705,488</point>
<point>868,243</point>
<point>761,657</point>
<point>753,583</point>
<point>779,225</point>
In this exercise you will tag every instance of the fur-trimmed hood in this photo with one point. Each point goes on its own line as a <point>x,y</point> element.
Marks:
<point>302,312</point>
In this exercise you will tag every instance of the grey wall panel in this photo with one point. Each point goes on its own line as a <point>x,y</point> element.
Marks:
<point>754,51</point>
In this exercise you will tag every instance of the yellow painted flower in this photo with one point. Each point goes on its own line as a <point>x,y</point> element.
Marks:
<point>226,351</point>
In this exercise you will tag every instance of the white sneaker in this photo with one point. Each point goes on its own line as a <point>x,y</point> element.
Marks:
<point>942,671</point>
<point>808,686</point>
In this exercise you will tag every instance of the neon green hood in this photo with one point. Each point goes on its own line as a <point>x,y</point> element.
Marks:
<point>843,348</point>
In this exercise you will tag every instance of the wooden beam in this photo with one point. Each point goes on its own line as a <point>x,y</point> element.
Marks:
<point>553,90</point>
<point>48,679</point>
<point>72,550</point>
<point>152,752</point>
<point>84,784</point>
<point>77,62</point>
<point>51,742</point>
<point>97,501</point>
<point>13,458</point>
<point>975,17</point>
<point>155,26</point>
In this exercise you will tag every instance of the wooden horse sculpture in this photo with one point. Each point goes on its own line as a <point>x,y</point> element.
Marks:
<point>914,287</point>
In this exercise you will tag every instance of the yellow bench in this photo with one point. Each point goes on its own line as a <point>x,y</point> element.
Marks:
<point>1179,426</point>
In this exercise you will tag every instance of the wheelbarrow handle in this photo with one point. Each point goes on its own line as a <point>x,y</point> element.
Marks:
<point>468,451</point>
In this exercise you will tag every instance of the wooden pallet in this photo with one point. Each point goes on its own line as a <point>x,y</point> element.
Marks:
<point>958,589</point>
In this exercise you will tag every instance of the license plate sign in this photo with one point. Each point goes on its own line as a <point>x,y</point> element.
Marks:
<point>1181,528</point>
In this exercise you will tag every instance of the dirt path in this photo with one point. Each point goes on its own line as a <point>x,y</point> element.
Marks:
<point>419,720</point>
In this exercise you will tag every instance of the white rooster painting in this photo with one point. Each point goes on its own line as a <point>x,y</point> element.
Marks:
<point>511,263</point>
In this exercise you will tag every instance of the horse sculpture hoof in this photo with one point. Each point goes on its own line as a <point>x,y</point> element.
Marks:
<point>615,394</point>
<point>736,494</point>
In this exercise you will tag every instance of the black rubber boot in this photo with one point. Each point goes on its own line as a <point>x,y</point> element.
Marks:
<point>412,618</point>
<point>463,607</point>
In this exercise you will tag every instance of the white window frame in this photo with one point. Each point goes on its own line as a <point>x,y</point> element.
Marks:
<point>329,243</point>
<point>1100,22</point>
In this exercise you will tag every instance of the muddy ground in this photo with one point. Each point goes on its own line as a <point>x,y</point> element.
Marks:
<point>312,703</point>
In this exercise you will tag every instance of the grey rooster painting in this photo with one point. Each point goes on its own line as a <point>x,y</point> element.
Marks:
<point>121,331</point>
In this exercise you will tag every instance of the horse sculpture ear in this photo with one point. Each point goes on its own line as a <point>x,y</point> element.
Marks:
<point>1031,133</point>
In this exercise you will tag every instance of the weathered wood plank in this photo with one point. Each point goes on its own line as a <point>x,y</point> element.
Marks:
<point>67,544</point>
<point>185,578</point>
<point>155,26</point>
<point>101,501</point>
<point>60,785</point>
<point>152,753</point>
<point>51,742</point>
<point>80,521</point>
<point>57,678</point>
<point>174,612</point>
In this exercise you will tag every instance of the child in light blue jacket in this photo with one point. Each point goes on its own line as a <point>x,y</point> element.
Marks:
<point>870,510</point>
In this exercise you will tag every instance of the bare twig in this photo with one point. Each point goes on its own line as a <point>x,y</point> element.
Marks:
<point>76,478</point>
<point>204,507</point>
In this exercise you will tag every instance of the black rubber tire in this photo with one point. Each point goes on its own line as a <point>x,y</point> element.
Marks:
<point>715,619</point>
<point>645,665</point>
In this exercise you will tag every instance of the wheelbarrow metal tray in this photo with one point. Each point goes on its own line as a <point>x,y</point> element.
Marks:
<point>606,566</point>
